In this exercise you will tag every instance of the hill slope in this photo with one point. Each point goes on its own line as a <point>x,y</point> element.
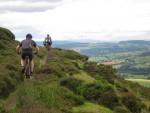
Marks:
<point>65,82</point>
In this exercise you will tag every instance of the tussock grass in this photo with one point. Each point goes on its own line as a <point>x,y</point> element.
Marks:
<point>85,77</point>
<point>90,108</point>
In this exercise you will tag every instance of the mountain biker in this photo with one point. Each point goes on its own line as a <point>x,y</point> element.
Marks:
<point>26,47</point>
<point>47,41</point>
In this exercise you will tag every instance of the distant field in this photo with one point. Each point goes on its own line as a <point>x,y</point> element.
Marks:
<point>128,76</point>
<point>143,82</point>
<point>112,63</point>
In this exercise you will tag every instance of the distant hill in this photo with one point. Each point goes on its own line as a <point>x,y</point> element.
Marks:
<point>94,49</point>
<point>65,82</point>
<point>65,44</point>
<point>134,53</point>
<point>137,42</point>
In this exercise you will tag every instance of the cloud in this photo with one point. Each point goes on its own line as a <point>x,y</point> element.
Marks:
<point>81,19</point>
<point>21,32</point>
<point>28,5</point>
<point>27,8</point>
<point>108,36</point>
<point>32,0</point>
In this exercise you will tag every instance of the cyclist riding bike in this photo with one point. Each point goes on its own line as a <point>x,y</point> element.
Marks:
<point>26,47</point>
<point>48,42</point>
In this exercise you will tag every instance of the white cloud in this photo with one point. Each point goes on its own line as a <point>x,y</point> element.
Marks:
<point>84,19</point>
<point>28,5</point>
<point>31,0</point>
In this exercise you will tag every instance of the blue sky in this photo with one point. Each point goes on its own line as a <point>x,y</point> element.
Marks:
<point>104,20</point>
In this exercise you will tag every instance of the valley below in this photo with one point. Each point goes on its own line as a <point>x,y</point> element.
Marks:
<point>128,57</point>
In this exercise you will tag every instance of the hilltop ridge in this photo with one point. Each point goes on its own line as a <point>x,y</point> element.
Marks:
<point>65,83</point>
<point>6,34</point>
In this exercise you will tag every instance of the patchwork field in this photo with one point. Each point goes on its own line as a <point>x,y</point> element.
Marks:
<point>143,82</point>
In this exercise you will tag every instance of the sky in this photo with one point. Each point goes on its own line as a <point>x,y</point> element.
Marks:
<point>103,20</point>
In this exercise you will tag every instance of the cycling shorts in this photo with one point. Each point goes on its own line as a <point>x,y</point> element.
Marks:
<point>28,53</point>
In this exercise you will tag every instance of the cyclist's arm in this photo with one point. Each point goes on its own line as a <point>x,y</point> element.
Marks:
<point>44,42</point>
<point>35,46</point>
<point>36,50</point>
<point>18,47</point>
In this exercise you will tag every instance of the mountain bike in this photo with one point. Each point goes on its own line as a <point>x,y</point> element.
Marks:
<point>27,70</point>
<point>27,66</point>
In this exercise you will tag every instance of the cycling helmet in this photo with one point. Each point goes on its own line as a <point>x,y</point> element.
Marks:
<point>28,36</point>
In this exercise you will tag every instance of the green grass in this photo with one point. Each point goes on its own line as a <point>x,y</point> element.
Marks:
<point>85,77</point>
<point>40,97</point>
<point>48,94</point>
<point>143,82</point>
<point>90,108</point>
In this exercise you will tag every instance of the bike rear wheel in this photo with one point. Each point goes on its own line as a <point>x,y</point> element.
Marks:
<point>27,68</point>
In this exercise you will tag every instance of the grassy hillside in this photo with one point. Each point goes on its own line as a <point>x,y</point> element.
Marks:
<point>9,70</point>
<point>65,82</point>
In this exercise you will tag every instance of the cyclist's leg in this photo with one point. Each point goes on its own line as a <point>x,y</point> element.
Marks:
<point>32,65</point>
<point>23,55</point>
<point>23,61</point>
<point>31,60</point>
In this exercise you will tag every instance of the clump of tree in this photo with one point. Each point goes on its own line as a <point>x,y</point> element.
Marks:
<point>102,71</point>
<point>132,103</point>
<point>98,92</point>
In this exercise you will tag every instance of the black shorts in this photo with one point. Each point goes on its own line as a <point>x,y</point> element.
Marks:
<point>28,53</point>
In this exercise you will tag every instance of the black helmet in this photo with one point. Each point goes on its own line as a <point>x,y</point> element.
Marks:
<point>28,36</point>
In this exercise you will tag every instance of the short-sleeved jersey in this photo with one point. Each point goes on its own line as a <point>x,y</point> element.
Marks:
<point>48,40</point>
<point>27,44</point>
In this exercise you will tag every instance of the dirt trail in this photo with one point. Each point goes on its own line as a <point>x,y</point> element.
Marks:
<point>17,96</point>
<point>49,54</point>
